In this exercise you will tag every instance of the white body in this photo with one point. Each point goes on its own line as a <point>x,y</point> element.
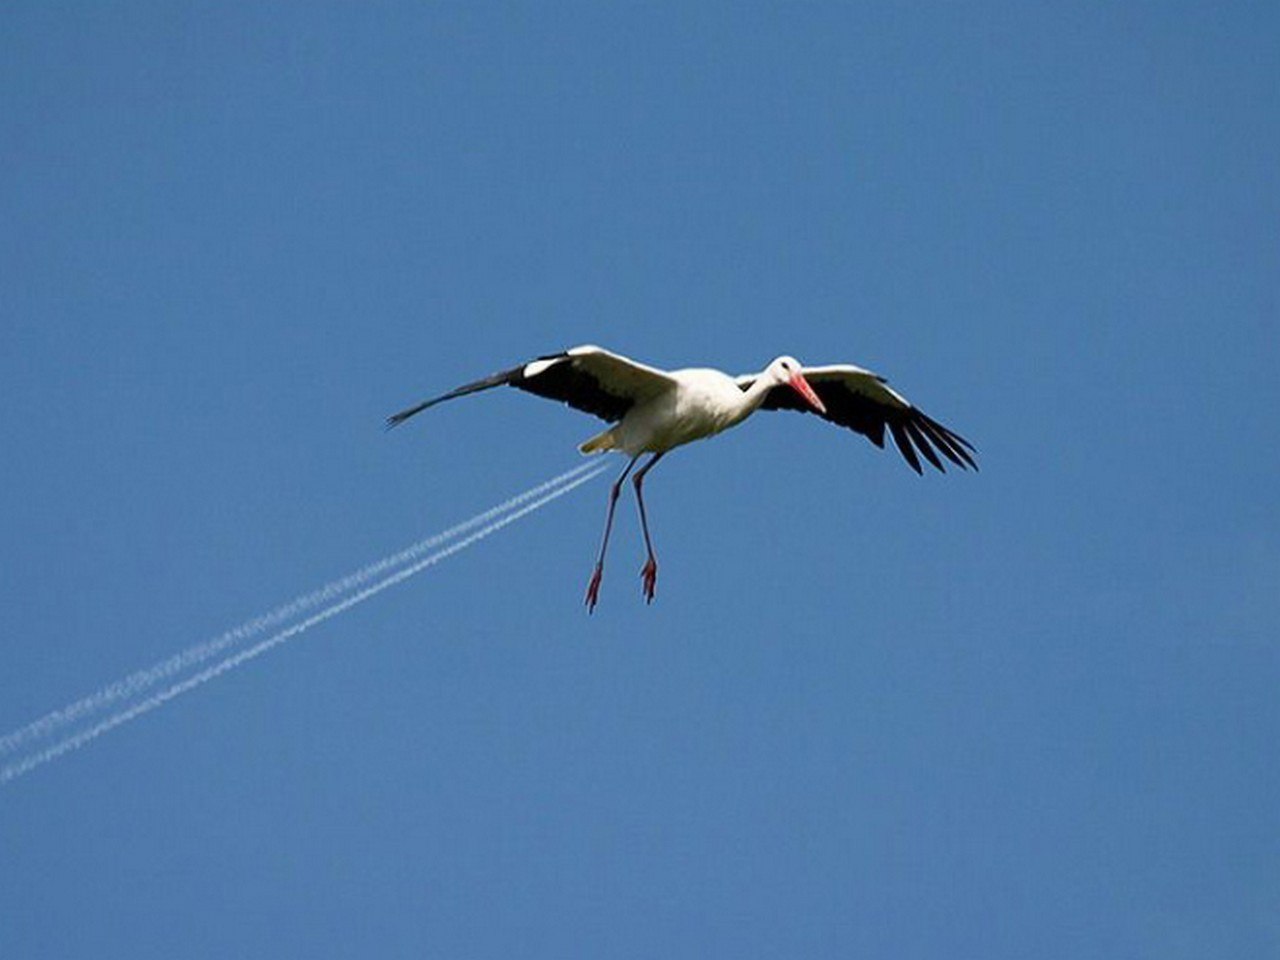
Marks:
<point>687,405</point>
<point>699,403</point>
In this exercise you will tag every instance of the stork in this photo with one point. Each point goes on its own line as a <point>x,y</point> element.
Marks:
<point>653,411</point>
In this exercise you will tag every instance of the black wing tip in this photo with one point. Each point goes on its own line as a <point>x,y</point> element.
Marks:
<point>955,447</point>
<point>898,429</point>
<point>917,434</point>
<point>920,438</point>
<point>966,450</point>
<point>509,377</point>
<point>397,419</point>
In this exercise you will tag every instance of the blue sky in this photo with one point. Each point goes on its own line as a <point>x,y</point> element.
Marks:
<point>1025,713</point>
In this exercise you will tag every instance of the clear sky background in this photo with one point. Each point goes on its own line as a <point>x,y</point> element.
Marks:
<point>1030,712</point>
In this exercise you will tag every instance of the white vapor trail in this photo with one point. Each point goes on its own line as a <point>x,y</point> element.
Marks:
<point>74,742</point>
<point>579,476</point>
<point>142,680</point>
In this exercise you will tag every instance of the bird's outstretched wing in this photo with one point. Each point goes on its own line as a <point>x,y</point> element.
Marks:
<point>587,378</point>
<point>864,402</point>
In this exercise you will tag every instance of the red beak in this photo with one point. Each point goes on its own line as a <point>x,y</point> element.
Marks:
<point>801,386</point>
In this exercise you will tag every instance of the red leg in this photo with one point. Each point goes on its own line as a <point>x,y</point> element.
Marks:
<point>650,572</point>
<point>593,587</point>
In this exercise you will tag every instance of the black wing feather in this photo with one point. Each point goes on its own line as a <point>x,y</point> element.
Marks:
<point>843,408</point>
<point>951,444</point>
<point>913,432</point>
<point>570,384</point>
<point>898,429</point>
<point>494,380</point>
<point>565,382</point>
<point>922,444</point>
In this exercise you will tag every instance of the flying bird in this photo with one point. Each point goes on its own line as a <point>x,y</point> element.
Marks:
<point>653,411</point>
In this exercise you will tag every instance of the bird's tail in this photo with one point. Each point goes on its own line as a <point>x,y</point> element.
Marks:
<point>600,443</point>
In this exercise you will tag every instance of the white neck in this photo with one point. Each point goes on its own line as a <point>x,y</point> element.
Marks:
<point>754,395</point>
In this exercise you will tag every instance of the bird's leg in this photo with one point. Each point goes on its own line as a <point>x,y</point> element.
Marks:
<point>593,587</point>
<point>650,572</point>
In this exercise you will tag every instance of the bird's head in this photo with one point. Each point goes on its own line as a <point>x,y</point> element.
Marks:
<point>789,371</point>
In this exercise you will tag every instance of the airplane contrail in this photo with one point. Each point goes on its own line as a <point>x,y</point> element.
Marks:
<point>74,742</point>
<point>141,680</point>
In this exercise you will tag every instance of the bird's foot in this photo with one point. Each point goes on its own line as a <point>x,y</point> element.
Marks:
<point>593,588</point>
<point>650,577</point>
